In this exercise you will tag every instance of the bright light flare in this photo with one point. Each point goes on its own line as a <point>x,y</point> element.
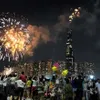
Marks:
<point>91,76</point>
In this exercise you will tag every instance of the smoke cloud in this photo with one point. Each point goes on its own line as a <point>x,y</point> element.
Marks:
<point>59,27</point>
<point>43,34</point>
<point>38,35</point>
<point>62,24</point>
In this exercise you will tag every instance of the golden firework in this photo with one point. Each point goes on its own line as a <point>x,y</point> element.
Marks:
<point>75,14</point>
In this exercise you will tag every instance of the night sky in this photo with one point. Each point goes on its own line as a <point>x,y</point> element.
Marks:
<point>86,36</point>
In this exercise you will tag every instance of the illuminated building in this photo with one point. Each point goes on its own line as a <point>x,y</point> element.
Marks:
<point>49,66</point>
<point>86,68</point>
<point>69,52</point>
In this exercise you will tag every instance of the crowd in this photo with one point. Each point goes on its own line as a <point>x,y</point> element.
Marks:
<point>21,87</point>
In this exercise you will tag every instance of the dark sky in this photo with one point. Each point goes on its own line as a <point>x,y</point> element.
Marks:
<point>46,12</point>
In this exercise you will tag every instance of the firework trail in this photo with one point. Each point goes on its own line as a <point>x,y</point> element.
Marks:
<point>17,38</point>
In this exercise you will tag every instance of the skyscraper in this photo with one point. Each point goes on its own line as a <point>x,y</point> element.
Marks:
<point>69,52</point>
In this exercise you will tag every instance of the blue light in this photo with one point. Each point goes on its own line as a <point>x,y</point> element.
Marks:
<point>91,76</point>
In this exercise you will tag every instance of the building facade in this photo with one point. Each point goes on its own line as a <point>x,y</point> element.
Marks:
<point>69,52</point>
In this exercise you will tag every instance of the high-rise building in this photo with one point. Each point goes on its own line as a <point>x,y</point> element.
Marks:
<point>69,52</point>
<point>86,68</point>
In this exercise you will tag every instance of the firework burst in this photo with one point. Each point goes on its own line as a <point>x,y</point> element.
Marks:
<point>14,36</point>
<point>74,14</point>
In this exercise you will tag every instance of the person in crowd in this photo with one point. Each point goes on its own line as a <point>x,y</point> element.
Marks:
<point>98,88</point>
<point>28,87</point>
<point>20,85</point>
<point>1,83</point>
<point>53,78</point>
<point>23,77</point>
<point>58,85</point>
<point>1,88</point>
<point>12,84</point>
<point>92,91</point>
<point>57,82</point>
<point>52,93</point>
<point>96,83</point>
<point>34,87</point>
<point>68,90</point>
<point>74,85</point>
<point>40,89</point>
<point>79,92</point>
<point>85,89</point>
<point>5,85</point>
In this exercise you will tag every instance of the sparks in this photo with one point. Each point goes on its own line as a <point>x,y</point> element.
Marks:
<point>14,37</point>
<point>75,13</point>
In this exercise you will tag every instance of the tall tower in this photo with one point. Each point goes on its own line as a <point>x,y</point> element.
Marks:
<point>69,52</point>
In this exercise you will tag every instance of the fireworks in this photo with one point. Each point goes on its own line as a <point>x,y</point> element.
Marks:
<point>75,13</point>
<point>17,38</point>
<point>8,71</point>
<point>14,37</point>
